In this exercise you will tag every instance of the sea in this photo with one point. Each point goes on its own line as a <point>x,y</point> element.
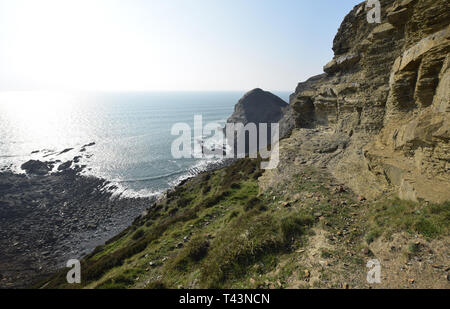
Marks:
<point>132,132</point>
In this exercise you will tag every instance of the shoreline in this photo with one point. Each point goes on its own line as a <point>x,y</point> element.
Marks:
<point>49,218</point>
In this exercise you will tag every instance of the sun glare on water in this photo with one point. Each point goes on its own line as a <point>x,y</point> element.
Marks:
<point>36,118</point>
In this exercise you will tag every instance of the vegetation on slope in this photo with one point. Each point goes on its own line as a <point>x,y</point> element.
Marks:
<point>218,231</point>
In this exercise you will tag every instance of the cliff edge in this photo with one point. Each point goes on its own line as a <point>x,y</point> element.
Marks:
<point>378,118</point>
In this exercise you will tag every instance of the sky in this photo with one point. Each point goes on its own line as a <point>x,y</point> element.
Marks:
<point>165,45</point>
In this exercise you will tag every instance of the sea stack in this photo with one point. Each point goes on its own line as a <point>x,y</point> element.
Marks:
<point>259,107</point>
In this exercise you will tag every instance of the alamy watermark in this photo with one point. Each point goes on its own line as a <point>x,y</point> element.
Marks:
<point>373,8</point>
<point>74,274</point>
<point>374,274</point>
<point>230,142</point>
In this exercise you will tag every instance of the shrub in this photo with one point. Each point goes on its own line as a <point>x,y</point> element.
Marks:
<point>197,248</point>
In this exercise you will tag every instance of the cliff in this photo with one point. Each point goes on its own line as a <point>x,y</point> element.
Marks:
<point>381,109</point>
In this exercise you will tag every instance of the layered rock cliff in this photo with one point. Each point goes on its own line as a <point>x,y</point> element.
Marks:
<point>380,113</point>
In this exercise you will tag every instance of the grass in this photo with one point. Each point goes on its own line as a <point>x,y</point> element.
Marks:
<point>325,254</point>
<point>253,203</point>
<point>156,285</point>
<point>194,252</point>
<point>253,236</point>
<point>414,248</point>
<point>393,215</point>
<point>122,281</point>
<point>219,231</point>
<point>373,234</point>
<point>294,226</point>
<point>139,234</point>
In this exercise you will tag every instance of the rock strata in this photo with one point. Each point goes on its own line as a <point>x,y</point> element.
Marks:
<point>387,90</point>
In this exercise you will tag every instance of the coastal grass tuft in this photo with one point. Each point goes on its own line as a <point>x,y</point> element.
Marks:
<point>138,234</point>
<point>194,252</point>
<point>394,215</point>
<point>252,236</point>
<point>257,238</point>
<point>294,226</point>
<point>253,203</point>
<point>122,281</point>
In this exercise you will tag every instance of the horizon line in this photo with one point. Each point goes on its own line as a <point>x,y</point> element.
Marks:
<point>135,91</point>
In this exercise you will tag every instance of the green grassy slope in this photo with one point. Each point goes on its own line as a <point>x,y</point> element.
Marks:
<point>217,231</point>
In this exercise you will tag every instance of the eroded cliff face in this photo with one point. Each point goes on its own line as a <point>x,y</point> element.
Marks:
<point>382,104</point>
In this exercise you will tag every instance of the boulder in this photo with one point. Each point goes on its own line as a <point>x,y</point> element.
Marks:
<point>65,166</point>
<point>36,167</point>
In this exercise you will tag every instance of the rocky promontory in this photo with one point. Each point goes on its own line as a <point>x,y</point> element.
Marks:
<point>261,107</point>
<point>258,106</point>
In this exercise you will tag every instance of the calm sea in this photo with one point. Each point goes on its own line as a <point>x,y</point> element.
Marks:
<point>132,132</point>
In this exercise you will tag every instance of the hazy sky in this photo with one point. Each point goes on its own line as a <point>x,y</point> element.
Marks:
<point>120,45</point>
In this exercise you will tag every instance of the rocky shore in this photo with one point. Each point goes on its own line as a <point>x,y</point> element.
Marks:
<point>53,213</point>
